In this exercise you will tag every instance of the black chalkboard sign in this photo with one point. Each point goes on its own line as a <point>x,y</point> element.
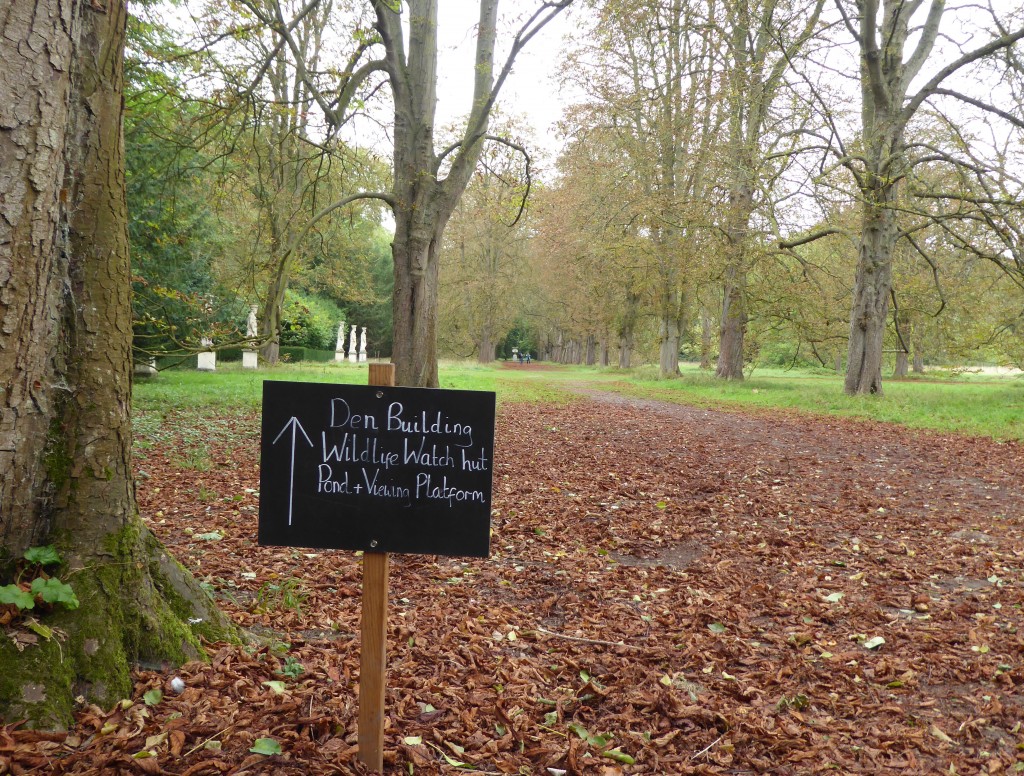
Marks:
<point>376,468</point>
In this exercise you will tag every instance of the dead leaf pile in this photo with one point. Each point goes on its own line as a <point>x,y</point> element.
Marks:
<point>670,591</point>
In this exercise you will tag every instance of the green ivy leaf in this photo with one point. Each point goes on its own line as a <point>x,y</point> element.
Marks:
<point>44,556</point>
<point>716,627</point>
<point>53,591</point>
<point>267,746</point>
<point>12,594</point>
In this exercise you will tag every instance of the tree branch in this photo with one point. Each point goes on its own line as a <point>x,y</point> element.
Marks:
<point>872,56</point>
<point>384,197</point>
<point>988,107</point>
<point>809,238</point>
<point>924,45</point>
<point>932,87</point>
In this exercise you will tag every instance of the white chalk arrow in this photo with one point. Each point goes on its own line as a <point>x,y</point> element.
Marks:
<point>296,428</point>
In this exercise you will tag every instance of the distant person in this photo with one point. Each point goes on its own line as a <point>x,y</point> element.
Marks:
<point>527,357</point>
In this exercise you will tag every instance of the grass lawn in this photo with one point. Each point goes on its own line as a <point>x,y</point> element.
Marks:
<point>973,404</point>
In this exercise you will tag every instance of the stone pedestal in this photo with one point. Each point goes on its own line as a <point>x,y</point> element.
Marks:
<point>207,360</point>
<point>250,359</point>
<point>145,367</point>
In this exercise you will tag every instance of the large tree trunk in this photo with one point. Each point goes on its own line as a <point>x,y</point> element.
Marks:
<point>627,328</point>
<point>902,364</point>
<point>428,185</point>
<point>733,327</point>
<point>870,309</point>
<point>670,332</point>
<point>486,354</point>
<point>705,339</point>
<point>65,347</point>
<point>423,203</point>
<point>270,320</point>
<point>414,306</point>
<point>734,299</point>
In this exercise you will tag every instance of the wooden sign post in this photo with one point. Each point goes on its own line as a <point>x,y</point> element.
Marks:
<point>373,657</point>
<point>379,469</point>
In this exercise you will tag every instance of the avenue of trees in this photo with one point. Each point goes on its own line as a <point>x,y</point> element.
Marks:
<point>744,182</point>
<point>793,181</point>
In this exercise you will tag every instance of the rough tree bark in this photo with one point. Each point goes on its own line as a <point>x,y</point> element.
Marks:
<point>65,352</point>
<point>873,282</point>
<point>733,329</point>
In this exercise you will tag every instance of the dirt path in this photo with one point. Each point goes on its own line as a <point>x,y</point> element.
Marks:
<point>847,461</point>
<point>709,589</point>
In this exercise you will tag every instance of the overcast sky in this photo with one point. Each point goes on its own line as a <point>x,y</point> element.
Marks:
<point>531,91</point>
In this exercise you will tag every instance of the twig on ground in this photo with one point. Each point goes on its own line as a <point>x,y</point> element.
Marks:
<point>707,748</point>
<point>201,744</point>
<point>546,632</point>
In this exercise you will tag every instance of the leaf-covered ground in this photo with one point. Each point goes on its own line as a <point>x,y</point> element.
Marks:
<point>670,591</point>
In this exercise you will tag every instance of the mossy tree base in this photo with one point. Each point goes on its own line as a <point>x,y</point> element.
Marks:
<point>138,606</point>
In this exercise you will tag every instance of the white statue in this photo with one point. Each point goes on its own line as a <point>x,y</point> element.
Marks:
<point>353,354</point>
<point>362,345</point>
<point>339,348</point>
<point>250,358</point>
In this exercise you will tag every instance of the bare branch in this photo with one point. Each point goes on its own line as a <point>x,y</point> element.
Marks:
<point>297,240</point>
<point>932,87</point>
<point>927,41</point>
<point>809,238</point>
<point>982,105</point>
<point>872,56</point>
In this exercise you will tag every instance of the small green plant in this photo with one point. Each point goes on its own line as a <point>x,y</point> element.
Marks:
<point>795,702</point>
<point>288,594</point>
<point>291,668</point>
<point>196,459</point>
<point>33,587</point>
